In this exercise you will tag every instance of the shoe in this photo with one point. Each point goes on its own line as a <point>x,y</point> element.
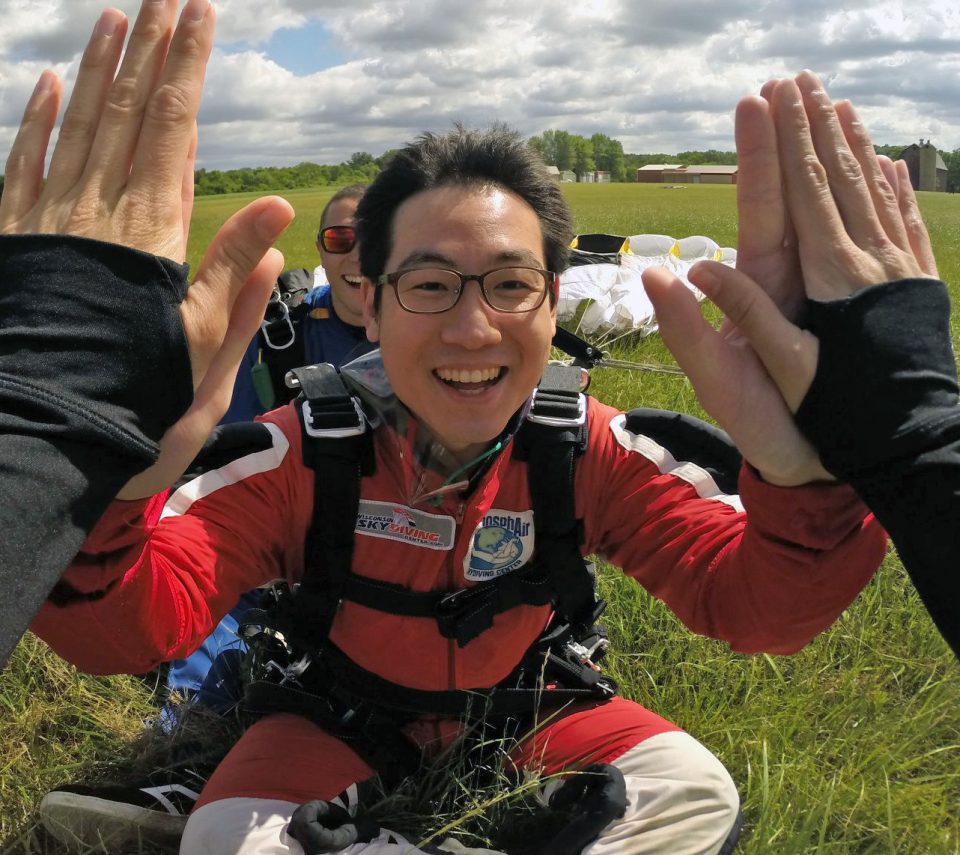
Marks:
<point>118,819</point>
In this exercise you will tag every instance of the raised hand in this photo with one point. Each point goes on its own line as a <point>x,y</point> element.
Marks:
<point>856,224</point>
<point>732,382</point>
<point>122,172</point>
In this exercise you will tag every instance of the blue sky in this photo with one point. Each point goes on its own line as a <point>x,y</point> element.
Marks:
<point>302,50</point>
<point>294,80</point>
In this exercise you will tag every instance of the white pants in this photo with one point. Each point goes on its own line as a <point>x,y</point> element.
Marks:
<point>681,801</point>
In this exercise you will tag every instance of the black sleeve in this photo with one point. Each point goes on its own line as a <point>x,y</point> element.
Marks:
<point>94,368</point>
<point>883,413</point>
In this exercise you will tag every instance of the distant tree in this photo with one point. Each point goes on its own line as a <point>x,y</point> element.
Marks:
<point>360,159</point>
<point>562,148</point>
<point>891,151</point>
<point>952,161</point>
<point>583,160</point>
<point>710,156</point>
<point>608,155</point>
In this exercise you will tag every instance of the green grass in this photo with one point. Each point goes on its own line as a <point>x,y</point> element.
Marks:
<point>850,746</point>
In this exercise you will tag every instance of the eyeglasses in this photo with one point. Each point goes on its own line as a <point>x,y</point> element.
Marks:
<point>429,290</point>
<point>337,239</point>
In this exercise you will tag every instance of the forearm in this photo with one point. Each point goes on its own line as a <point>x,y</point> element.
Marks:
<point>769,579</point>
<point>93,369</point>
<point>883,412</point>
<point>772,585</point>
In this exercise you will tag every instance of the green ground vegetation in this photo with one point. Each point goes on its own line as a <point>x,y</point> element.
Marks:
<point>850,746</point>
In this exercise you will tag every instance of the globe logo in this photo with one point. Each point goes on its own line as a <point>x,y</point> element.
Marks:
<point>494,549</point>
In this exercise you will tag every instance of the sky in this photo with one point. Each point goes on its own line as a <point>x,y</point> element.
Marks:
<point>316,80</point>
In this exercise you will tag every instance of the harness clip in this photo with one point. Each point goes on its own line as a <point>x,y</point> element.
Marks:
<point>354,428</point>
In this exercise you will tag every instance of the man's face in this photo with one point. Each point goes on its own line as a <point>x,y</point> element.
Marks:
<point>465,371</point>
<point>343,269</point>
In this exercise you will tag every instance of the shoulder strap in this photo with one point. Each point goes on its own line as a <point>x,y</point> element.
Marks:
<point>280,340</point>
<point>338,447</point>
<point>551,439</point>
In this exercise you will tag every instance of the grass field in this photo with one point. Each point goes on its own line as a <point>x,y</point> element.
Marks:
<point>850,746</point>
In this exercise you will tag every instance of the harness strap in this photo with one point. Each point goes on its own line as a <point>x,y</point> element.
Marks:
<point>281,341</point>
<point>339,450</point>
<point>551,440</point>
<point>347,695</point>
<point>462,614</point>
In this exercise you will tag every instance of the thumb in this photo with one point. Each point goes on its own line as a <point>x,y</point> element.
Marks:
<point>683,329</point>
<point>788,353</point>
<point>234,254</point>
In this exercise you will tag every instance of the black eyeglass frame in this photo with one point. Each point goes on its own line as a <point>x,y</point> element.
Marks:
<point>321,239</point>
<point>549,280</point>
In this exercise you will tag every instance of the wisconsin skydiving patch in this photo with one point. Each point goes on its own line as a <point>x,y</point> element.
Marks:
<point>502,542</point>
<point>392,521</point>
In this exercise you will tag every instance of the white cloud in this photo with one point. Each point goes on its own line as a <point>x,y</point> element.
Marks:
<point>660,77</point>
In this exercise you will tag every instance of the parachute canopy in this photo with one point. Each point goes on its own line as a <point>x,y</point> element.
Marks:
<point>605,273</point>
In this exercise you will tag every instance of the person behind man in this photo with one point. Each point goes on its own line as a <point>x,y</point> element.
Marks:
<point>327,326</point>
<point>446,502</point>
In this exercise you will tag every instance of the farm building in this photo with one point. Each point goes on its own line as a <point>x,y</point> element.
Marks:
<point>701,175</point>
<point>673,173</point>
<point>554,172</point>
<point>926,167</point>
<point>652,173</point>
<point>597,176</point>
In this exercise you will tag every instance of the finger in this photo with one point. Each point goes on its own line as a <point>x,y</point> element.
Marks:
<point>23,174</point>
<point>766,250</point>
<point>760,207</point>
<point>788,353</point>
<point>80,122</point>
<point>917,233</point>
<point>126,100</point>
<point>187,185</point>
<point>767,89</point>
<point>234,253</point>
<point>810,203</point>
<point>843,170</point>
<point>691,340</point>
<point>881,192</point>
<point>890,173</point>
<point>168,125</point>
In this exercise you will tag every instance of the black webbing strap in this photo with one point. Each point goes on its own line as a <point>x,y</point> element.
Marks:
<point>282,344</point>
<point>583,353</point>
<point>341,694</point>
<point>338,448</point>
<point>463,614</point>
<point>550,440</point>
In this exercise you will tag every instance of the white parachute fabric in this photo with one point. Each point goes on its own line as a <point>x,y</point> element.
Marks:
<point>617,301</point>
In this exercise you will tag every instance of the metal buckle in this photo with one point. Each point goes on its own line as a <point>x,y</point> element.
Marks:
<point>335,432</point>
<point>284,316</point>
<point>559,421</point>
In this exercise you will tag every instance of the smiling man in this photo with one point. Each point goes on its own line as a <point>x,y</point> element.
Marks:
<point>434,504</point>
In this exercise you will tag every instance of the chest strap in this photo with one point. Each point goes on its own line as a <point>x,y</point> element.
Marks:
<point>462,614</point>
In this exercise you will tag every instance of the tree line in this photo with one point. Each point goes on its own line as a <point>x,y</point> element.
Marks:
<point>562,149</point>
<point>361,168</point>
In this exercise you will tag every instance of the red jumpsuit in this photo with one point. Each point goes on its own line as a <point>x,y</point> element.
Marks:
<point>164,574</point>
